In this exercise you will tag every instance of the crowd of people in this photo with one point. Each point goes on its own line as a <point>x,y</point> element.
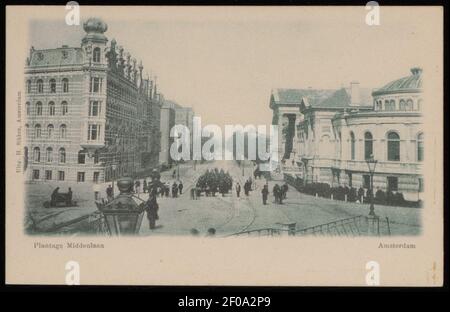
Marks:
<point>212,182</point>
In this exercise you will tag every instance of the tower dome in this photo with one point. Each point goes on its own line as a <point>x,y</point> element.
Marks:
<point>95,29</point>
<point>412,83</point>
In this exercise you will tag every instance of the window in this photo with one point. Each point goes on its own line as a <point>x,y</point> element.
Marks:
<point>27,130</point>
<point>65,85</point>
<point>352,145</point>
<point>39,109</point>
<point>409,105</point>
<point>419,104</point>
<point>28,86</point>
<point>350,179</point>
<point>421,186</point>
<point>37,154</point>
<point>63,131</point>
<point>379,105</point>
<point>62,155</point>
<point>96,176</point>
<point>96,85</point>
<point>48,174</point>
<point>49,154</point>
<point>81,157</point>
<point>93,132</point>
<point>96,157</point>
<point>64,108</point>
<point>392,184</point>
<point>51,109</point>
<point>80,177</point>
<point>50,129</point>
<point>366,181</point>
<point>393,146</point>
<point>94,108</point>
<point>368,145</point>
<point>52,84</point>
<point>402,105</point>
<point>27,107</point>
<point>37,131</point>
<point>40,86</point>
<point>420,147</point>
<point>36,174</point>
<point>96,55</point>
<point>61,175</point>
<point>389,105</point>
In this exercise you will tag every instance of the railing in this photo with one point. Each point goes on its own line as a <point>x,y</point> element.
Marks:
<point>350,227</point>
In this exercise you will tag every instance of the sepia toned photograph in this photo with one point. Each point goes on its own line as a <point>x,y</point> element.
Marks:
<point>226,126</point>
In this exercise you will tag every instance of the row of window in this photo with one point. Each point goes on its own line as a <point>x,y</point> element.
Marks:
<point>403,105</point>
<point>51,108</point>
<point>61,175</point>
<point>391,182</point>
<point>393,146</point>
<point>50,131</point>
<point>95,85</point>
<point>61,155</point>
<point>51,85</point>
<point>94,108</point>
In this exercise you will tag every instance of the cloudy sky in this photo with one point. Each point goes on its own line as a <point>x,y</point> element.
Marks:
<point>224,61</point>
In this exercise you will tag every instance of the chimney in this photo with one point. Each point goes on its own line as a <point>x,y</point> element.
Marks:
<point>355,99</point>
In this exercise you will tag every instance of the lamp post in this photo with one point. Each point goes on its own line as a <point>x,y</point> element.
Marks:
<point>113,167</point>
<point>371,163</point>
<point>123,215</point>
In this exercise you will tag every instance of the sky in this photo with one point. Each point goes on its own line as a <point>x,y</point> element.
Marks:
<point>224,62</point>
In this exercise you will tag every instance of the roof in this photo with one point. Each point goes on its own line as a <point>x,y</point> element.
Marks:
<point>340,98</point>
<point>294,96</point>
<point>411,83</point>
<point>56,57</point>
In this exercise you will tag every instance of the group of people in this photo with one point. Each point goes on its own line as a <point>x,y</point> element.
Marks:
<point>279,192</point>
<point>212,182</point>
<point>247,187</point>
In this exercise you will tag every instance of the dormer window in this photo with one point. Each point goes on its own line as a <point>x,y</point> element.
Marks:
<point>96,55</point>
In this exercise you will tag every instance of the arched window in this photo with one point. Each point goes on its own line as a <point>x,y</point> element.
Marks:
<point>419,104</point>
<point>51,108</point>
<point>27,130</point>
<point>402,105</point>
<point>393,146</point>
<point>64,108</point>
<point>63,131</point>
<point>27,108</point>
<point>52,84</point>
<point>49,154</point>
<point>62,155</point>
<point>65,85</point>
<point>37,130</point>
<point>40,86</point>
<point>39,109</point>
<point>409,105</point>
<point>28,86</point>
<point>352,145</point>
<point>36,154</point>
<point>420,147</point>
<point>81,157</point>
<point>96,55</point>
<point>368,145</point>
<point>50,129</point>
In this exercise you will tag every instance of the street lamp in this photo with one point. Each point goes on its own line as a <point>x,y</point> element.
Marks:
<point>123,215</point>
<point>371,163</point>
<point>113,167</point>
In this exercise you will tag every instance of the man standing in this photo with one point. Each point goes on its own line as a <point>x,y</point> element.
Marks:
<point>109,193</point>
<point>69,197</point>
<point>265,193</point>
<point>174,190</point>
<point>180,187</point>
<point>238,189</point>
<point>137,186</point>
<point>54,196</point>
<point>276,193</point>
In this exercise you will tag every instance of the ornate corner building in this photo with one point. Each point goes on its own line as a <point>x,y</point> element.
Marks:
<point>91,116</point>
<point>328,135</point>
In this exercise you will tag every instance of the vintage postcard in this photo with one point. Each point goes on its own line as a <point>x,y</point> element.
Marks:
<point>280,146</point>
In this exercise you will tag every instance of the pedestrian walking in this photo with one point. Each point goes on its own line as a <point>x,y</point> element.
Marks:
<point>145,186</point>
<point>276,193</point>
<point>265,193</point>
<point>284,190</point>
<point>109,193</point>
<point>174,190</point>
<point>238,189</point>
<point>193,193</point>
<point>180,187</point>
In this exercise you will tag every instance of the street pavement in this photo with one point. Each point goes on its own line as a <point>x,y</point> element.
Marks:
<point>227,215</point>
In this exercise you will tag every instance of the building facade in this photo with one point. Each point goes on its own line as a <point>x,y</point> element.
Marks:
<point>90,114</point>
<point>336,135</point>
<point>167,122</point>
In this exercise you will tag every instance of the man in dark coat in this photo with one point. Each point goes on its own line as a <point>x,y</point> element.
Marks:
<point>69,197</point>
<point>361,194</point>
<point>265,193</point>
<point>174,190</point>
<point>284,190</point>
<point>276,193</point>
<point>238,189</point>
<point>54,196</point>
<point>180,187</point>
